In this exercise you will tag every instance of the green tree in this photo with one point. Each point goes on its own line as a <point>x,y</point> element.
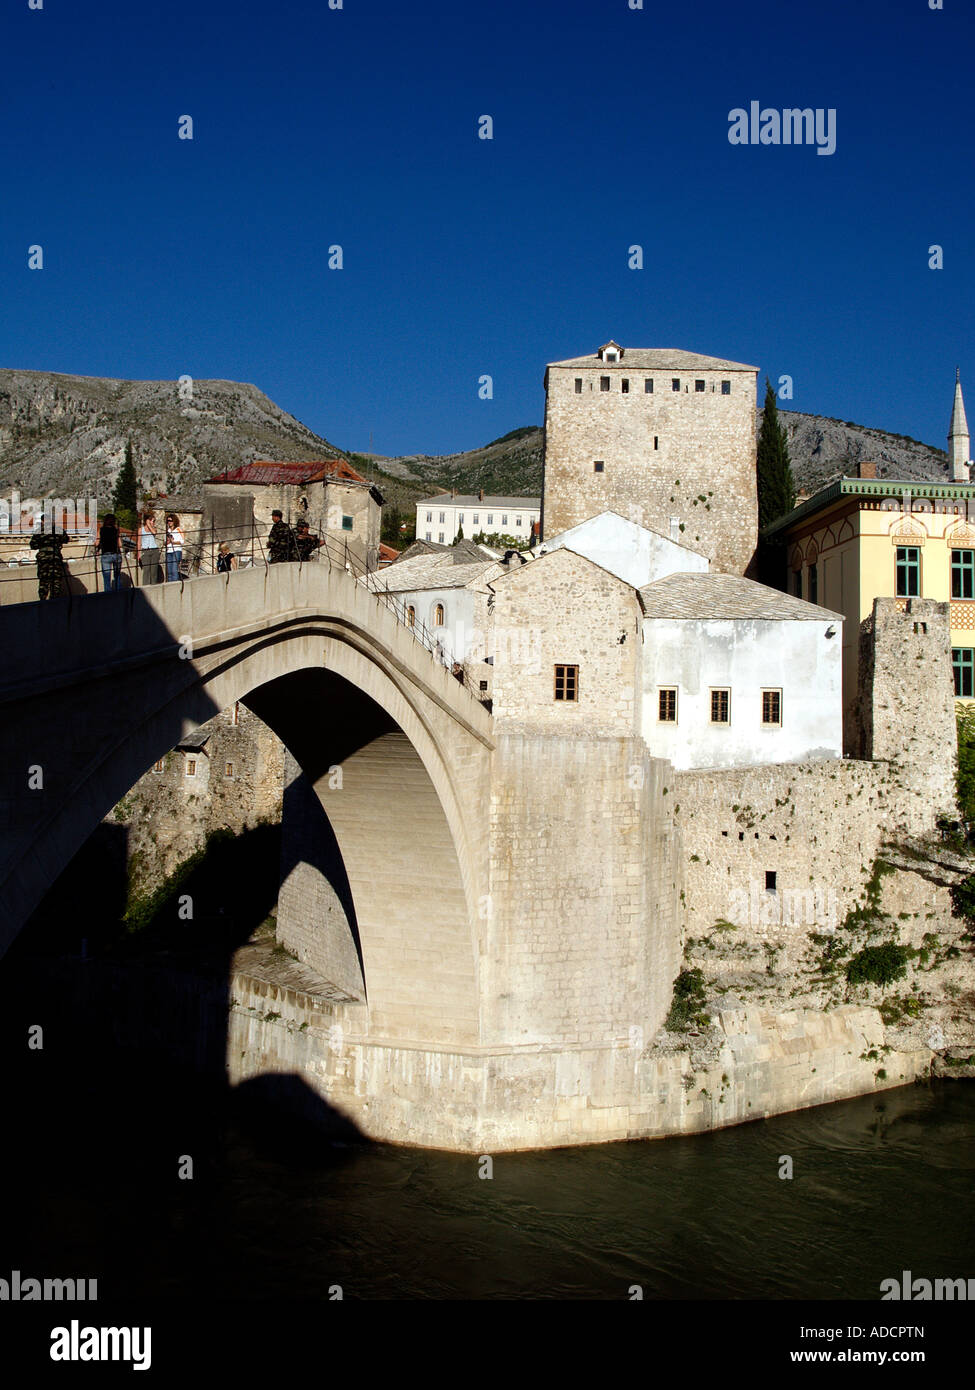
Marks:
<point>965,781</point>
<point>460,534</point>
<point>125,498</point>
<point>776,487</point>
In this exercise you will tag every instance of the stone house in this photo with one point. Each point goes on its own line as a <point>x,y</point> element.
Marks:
<point>710,670</point>
<point>331,496</point>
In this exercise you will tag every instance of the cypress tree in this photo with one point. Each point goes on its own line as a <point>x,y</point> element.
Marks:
<point>776,488</point>
<point>125,498</point>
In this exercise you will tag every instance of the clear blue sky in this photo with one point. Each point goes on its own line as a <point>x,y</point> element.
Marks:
<point>462,256</point>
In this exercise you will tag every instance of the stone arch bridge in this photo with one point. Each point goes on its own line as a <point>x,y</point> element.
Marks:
<point>502,948</point>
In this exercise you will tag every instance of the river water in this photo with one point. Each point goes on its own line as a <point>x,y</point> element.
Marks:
<point>880,1184</point>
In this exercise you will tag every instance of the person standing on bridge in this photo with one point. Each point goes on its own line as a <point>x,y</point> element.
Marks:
<point>149,550</point>
<point>174,546</point>
<point>305,543</point>
<point>51,570</point>
<point>281,540</point>
<point>110,549</point>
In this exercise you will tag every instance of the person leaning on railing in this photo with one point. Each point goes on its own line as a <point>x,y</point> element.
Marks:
<point>305,543</point>
<point>109,547</point>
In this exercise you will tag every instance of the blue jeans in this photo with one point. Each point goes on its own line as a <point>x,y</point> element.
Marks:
<point>112,572</point>
<point>173,558</point>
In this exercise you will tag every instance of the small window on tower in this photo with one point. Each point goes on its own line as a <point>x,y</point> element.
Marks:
<point>604,383</point>
<point>720,706</point>
<point>699,386</point>
<point>656,443</point>
<point>598,466</point>
<point>675,383</point>
<point>726,388</point>
<point>578,385</point>
<point>648,385</point>
<point>625,385</point>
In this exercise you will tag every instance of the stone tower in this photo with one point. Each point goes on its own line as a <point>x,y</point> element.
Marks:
<point>664,437</point>
<point>959,444</point>
<point>907,703</point>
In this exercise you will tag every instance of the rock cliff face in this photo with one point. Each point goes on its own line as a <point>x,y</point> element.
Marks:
<point>66,435</point>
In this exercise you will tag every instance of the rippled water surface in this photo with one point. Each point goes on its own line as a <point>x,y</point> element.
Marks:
<point>881,1184</point>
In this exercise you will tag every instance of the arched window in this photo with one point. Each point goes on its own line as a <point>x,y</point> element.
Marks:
<point>438,615</point>
<point>410,615</point>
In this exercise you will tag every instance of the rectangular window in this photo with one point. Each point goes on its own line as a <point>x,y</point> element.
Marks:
<point>726,388</point>
<point>490,520</point>
<point>504,518</point>
<point>675,383</point>
<point>191,767</point>
<point>347,523</point>
<point>720,706</point>
<point>228,769</point>
<point>625,385</point>
<point>578,385</point>
<point>797,583</point>
<point>656,442</point>
<point>908,571</point>
<point>648,385</point>
<point>813,584</point>
<point>667,705</point>
<point>443,518</point>
<point>476,518</point>
<point>598,466</point>
<point>772,707</point>
<point>429,536</point>
<point>604,383</point>
<point>771,878</point>
<point>699,386</point>
<point>963,574</point>
<point>963,668</point>
<point>429,516</point>
<point>440,537</point>
<point>566,682</point>
<point>517,523</point>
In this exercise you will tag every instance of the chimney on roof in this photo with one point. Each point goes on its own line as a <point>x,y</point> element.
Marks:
<point>453,493</point>
<point>480,494</point>
<point>866,469</point>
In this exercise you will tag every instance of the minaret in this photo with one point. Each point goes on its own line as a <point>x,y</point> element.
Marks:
<point>959,449</point>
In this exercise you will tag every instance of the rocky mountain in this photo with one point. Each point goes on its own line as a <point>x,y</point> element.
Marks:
<point>66,435</point>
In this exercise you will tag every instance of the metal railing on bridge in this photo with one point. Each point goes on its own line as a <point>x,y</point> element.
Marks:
<point>209,550</point>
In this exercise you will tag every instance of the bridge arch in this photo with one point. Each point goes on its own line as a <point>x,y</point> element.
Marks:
<point>111,683</point>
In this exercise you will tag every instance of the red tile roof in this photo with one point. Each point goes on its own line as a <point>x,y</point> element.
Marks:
<point>262,472</point>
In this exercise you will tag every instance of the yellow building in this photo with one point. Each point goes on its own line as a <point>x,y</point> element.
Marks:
<point>864,538</point>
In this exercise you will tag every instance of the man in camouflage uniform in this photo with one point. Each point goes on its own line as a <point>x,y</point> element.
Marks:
<point>50,565</point>
<point>305,542</point>
<point>281,541</point>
